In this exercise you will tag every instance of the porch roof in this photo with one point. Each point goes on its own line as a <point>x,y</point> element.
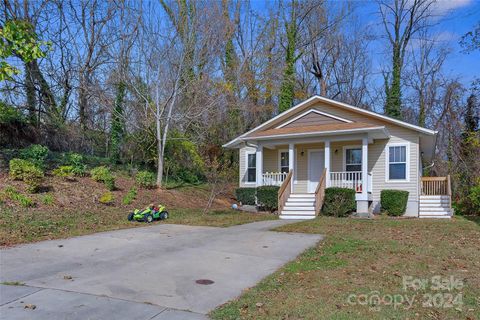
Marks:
<point>312,129</point>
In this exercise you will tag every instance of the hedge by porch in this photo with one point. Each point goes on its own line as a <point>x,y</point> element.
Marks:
<point>267,197</point>
<point>394,202</point>
<point>339,202</point>
<point>246,195</point>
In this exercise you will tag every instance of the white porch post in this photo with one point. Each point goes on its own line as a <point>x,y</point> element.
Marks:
<point>365,167</point>
<point>327,162</point>
<point>291,160</point>
<point>259,165</point>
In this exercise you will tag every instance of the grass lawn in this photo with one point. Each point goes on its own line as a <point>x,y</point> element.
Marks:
<point>24,225</point>
<point>360,260</point>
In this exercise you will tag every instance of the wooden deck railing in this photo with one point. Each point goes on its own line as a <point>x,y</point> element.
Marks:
<point>285,191</point>
<point>274,178</point>
<point>320,192</point>
<point>436,186</point>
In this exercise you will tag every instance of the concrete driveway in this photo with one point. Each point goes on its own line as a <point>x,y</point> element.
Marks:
<point>142,273</point>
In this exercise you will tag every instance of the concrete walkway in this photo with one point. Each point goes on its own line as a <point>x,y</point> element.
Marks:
<point>142,273</point>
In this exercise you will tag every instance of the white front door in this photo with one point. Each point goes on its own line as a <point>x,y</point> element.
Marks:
<point>316,163</point>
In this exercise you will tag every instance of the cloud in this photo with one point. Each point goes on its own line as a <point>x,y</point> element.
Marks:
<point>442,7</point>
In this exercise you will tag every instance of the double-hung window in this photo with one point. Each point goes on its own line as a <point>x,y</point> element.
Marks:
<point>397,165</point>
<point>284,168</point>
<point>353,159</point>
<point>251,167</point>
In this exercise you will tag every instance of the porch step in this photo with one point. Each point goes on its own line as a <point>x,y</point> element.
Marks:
<point>302,195</point>
<point>296,217</point>
<point>435,207</point>
<point>304,203</point>
<point>299,208</point>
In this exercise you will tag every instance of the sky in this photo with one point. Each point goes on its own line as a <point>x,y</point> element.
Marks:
<point>454,18</point>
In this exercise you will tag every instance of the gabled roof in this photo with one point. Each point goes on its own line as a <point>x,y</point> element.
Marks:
<point>311,129</point>
<point>249,135</point>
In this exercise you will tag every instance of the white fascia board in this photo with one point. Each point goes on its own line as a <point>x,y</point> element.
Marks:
<point>315,111</point>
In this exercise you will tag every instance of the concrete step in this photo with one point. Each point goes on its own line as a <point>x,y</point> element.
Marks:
<point>432,201</point>
<point>434,198</point>
<point>301,199</point>
<point>299,203</point>
<point>434,213</point>
<point>295,217</point>
<point>434,209</point>
<point>302,195</point>
<point>434,217</point>
<point>298,212</point>
<point>298,208</point>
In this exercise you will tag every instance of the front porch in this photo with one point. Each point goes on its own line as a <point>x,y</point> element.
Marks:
<point>344,163</point>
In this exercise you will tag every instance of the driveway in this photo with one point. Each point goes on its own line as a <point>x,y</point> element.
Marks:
<point>142,273</point>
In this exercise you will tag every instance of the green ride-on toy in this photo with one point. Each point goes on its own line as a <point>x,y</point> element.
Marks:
<point>149,214</point>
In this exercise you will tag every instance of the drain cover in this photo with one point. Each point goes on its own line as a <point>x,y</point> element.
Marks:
<point>204,281</point>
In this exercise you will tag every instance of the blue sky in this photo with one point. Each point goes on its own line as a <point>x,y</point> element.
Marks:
<point>453,19</point>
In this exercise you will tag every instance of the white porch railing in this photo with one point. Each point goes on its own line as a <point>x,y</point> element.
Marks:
<point>351,180</point>
<point>274,178</point>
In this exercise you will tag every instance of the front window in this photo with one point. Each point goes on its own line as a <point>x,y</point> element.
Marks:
<point>353,159</point>
<point>251,167</point>
<point>397,163</point>
<point>284,162</point>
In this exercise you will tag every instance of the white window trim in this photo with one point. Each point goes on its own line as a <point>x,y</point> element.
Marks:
<point>280,158</point>
<point>407,164</point>
<point>314,111</point>
<point>359,146</point>
<point>247,153</point>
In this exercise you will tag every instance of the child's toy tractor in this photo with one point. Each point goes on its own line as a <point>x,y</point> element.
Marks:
<point>149,214</point>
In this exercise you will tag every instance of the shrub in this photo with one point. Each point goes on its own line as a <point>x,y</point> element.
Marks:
<point>339,202</point>
<point>245,195</point>
<point>107,198</point>
<point>64,172</point>
<point>33,177</point>
<point>130,196</point>
<point>16,196</point>
<point>394,202</point>
<point>267,197</point>
<point>47,199</point>
<point>35,153</point>
<point>27,171</point>
<point>17,167</point>
<point>146,179</point>
<point>103,174</point>
<point>76,161</point>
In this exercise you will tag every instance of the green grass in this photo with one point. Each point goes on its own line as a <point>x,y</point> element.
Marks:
<point>12,283</point>
<point>367,257</point>
<point>21,226</point>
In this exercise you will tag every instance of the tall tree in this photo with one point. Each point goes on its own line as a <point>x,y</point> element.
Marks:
<point>401,20</point>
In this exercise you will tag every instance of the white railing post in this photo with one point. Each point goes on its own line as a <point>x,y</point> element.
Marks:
<point>327,162</point>
<point>259,165</point>
<point>365,166</point>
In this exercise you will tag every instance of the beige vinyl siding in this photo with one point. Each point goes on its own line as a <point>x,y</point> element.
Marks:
<point>377,155</point>
<point>311,119</point>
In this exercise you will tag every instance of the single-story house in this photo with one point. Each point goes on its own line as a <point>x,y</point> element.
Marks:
<point>321,143</point>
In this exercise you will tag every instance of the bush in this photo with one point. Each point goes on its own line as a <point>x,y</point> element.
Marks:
<point>36,154</point>
<point>48,199</point>
<point>27,171</point>
<point>339,202</point>
<point>76,161</point>
<point>16,196</point>
<point>33,177</point>
<point>146,179</point>
<point>17,167</point>
<point>103,174</point>
<point>64,172</point>
<point>130,196</point>
<point>107,198</point>
<point>267,197</point>
<point>245,195</point>
<point>394,202</point>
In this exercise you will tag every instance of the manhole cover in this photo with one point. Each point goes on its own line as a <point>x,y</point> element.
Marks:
<point>204,281</point>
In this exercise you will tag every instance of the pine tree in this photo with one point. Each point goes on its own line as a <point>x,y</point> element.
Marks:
<point>118,123</point>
